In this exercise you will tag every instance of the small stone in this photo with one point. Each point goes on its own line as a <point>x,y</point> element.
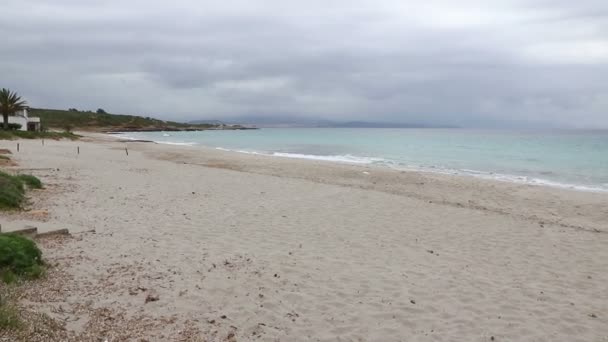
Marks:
<point>223,317</point>
<point>593,315</point>
<point>152,298</point>
<point>413,301</point>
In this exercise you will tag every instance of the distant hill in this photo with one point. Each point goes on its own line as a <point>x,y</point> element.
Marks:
<point>287,121</point>
<point>87,120</point>
<point>206,122</point>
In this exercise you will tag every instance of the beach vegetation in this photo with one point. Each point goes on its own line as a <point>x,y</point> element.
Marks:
<point>9,316</point>
<point>20,257</point>
<point>30,181</point>
<point>88,120</point>
<point>10,103</point>
<point>13,135</point>
<point>12,193</point>
<point>14,126</point>
<point>12,189</point>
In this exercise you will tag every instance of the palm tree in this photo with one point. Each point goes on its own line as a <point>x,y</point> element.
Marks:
<point>9,104</point>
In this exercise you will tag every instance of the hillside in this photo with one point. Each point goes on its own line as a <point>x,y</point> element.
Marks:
<point>72,119</point>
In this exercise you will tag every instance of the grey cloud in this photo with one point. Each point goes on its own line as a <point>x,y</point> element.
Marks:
<point>470,63</point>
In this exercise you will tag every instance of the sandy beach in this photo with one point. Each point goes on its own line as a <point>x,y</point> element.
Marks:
<point>176,243</point>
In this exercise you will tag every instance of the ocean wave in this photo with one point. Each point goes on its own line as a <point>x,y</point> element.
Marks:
<point>176,143</point>
<point>346,158</point>
<point>121,136</point>
<point>519,179</point>
<point>242,151</point>
<point>130,137</point>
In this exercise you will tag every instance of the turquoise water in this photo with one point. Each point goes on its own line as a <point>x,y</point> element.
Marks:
<point>575,159</point>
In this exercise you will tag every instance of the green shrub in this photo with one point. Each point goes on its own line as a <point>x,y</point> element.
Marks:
<point>9,316</point>
<point>12,192</point>
<point>8,277</point>
<point>20,256</point>
<point>14,126</point>
<point>12,135</point>
<point>12,189</point>
<point>31,181</point>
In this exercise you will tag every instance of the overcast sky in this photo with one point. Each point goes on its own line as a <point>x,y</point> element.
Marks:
<point>466,62</point>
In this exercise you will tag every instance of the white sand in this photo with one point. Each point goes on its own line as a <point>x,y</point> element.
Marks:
<point>293,250</point>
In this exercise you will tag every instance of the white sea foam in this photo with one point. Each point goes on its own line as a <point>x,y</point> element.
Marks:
<point>120,136</point>
<point>512,178</point>
<point>347,158</point>
<point>242,151</point>
<point>176,143</point>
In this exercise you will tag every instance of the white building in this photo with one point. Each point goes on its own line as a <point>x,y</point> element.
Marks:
<point>27,123</point>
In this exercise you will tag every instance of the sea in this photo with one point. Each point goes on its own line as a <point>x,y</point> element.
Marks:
<point>576,159</point>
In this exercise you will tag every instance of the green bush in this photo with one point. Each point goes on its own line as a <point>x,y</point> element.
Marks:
<point>12,189</point>
<point>12,192</point>
<point>31,181</point>
<point>9,316</point>
<point>19,256</point>
<point>14,126</point>
<point>12,135</point>
<point>8,277</point>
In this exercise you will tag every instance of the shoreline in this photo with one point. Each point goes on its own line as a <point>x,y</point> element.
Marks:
<point>450,189</point>
<point>372,161</point>
<point>249,247</point>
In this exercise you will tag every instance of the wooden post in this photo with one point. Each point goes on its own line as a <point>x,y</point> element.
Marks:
<point>126,151</point>
<point>78,149</point>
<point>17,147</point>
<point>42,142</point>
